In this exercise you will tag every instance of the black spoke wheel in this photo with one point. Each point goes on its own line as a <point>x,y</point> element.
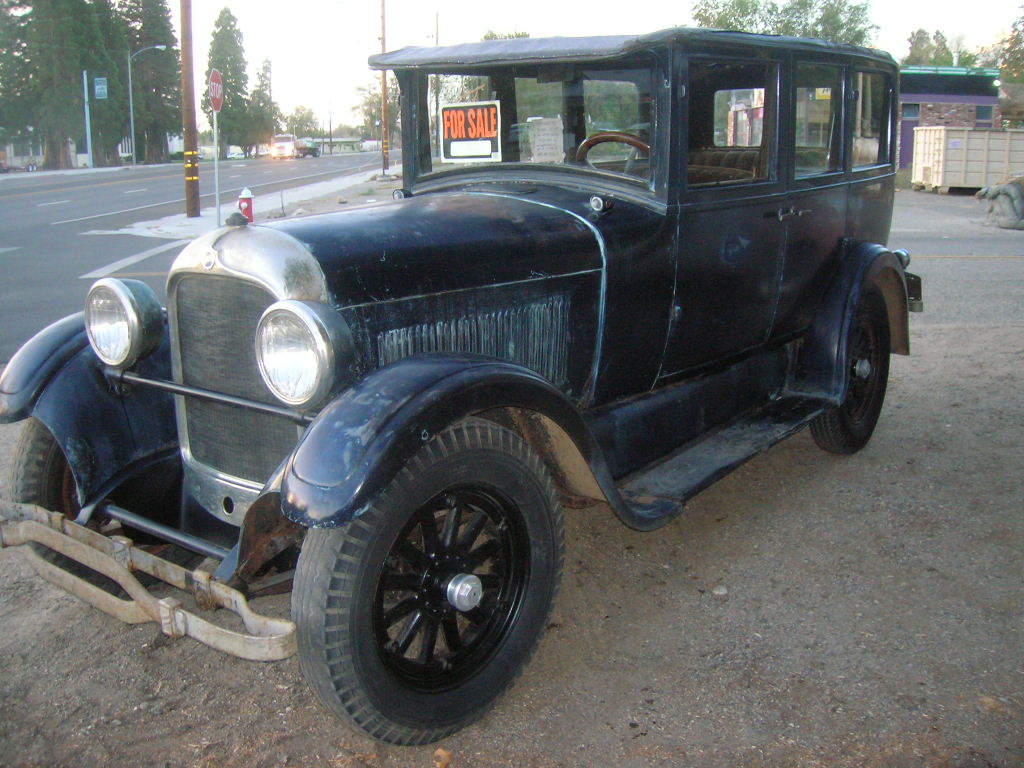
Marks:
<point>418,614</point>
<point>465,536</point>
<point>848,427</point>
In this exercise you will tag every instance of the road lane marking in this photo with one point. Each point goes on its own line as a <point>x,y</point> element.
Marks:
<point>10,248</point>
<point>109,269</point>
<point>332,173</point>
<point>55,202</point>
<point>133,191</point>
<point>115,213</point>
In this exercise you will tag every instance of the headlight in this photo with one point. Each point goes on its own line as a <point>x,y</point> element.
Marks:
<point>298,345</point>
<point>124,321</point>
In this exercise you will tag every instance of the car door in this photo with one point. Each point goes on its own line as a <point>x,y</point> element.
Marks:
<point>816,206</point>
<point>731,219</point>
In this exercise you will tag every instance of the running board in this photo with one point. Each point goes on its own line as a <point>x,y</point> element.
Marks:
<point>265,638</point>
<point>688,471</point>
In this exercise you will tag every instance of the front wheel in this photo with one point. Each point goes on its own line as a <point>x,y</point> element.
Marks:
<point>414,617</point>
<point>848,427</point>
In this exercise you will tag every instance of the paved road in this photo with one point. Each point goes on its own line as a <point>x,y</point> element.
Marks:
<point>56,228</point>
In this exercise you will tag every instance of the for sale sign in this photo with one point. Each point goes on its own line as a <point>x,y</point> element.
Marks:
<point>471,133</point>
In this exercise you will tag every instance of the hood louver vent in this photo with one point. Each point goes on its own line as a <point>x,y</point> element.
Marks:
<point>535,335</point>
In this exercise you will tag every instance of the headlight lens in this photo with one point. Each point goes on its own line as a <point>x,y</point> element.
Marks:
<point>124,321</point>
<point>296,347</point>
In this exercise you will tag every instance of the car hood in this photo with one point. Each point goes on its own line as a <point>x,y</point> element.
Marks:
<point>443,242</point>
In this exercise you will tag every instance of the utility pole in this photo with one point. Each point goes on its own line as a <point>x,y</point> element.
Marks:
<point>188,114</point>
<point>88,123</point>
<point>384,101</point>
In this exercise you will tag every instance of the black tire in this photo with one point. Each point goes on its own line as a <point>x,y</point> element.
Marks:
<point>380,642</point>
<point>847,428</point>
<point>40,475</point>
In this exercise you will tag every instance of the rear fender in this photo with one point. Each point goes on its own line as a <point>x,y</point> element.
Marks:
<point>359,442</point>
<point>824,357</point>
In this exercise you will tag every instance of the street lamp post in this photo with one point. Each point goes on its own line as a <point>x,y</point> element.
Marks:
<point>131,100</point>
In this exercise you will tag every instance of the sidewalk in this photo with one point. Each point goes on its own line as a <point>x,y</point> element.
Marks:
<point>321,197</point>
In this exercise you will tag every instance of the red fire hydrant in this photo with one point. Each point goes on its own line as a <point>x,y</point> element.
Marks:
<point>245,203</point>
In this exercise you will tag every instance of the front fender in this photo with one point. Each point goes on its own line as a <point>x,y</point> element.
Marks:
<point>36,363</point>
<point>361,440</point>
<point>824,357</point>
<point>104,435</point>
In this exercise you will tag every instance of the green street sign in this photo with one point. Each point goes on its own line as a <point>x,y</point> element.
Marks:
<point>101,87</point>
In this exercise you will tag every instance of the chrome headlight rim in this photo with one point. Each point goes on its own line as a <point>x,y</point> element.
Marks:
<point>143,316</point>
<point>328,334</point>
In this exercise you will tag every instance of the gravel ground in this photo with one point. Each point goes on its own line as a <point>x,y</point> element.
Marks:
<point>807,610</point>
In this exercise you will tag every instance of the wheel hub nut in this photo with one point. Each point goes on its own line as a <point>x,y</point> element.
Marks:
<point>863,368</point>
<point>465,592</point>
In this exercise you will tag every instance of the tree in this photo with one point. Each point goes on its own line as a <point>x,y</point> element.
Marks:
<point>1012,64</point>
<point>156,76</point>
<point>839,21</point>
<point>62,39</point>
<point>490,34</point>
<point>961,56</point>
<point>17,113</point>
<point>370,109</point>
<point>760,16</point>
<point>228,56</point>
<point>921,49</point>
<point>109,116</point>
<point>942,57</point>
<point>264,114</point>
<point>302,122</point>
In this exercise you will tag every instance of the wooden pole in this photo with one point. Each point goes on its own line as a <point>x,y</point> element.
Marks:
<point>385,149</point>
<point>188,114</point>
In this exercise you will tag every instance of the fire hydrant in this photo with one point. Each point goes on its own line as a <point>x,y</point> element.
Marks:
<point>245,203</point>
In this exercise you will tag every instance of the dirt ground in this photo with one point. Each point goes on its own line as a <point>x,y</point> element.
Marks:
<point>807,610</point>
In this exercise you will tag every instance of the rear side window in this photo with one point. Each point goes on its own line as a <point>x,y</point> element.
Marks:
<point>871,119</point>
<point>732,108</point>
<point>819,109</point>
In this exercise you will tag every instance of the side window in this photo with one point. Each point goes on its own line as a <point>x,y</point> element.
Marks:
<point>732,108</point>
<point>817,135</point>
<point>871,120</point>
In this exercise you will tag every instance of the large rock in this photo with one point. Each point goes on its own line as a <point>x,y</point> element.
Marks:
<point>1006,204</point>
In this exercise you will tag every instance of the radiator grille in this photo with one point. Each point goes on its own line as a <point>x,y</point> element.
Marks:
<point>217,318</point>
<point>534,335</point>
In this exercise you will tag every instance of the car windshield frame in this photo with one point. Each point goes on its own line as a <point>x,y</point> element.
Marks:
<point>576,100</point>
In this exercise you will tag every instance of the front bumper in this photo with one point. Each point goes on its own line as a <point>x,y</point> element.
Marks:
<point>265,638</point>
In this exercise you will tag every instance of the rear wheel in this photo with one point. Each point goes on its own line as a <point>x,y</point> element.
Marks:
<point>417,615</point>
<point>847,427</point>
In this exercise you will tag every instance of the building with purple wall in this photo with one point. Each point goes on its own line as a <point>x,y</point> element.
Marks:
<point>962,97</point>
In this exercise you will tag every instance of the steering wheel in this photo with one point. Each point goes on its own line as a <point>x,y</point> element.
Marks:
<point>605,136</point>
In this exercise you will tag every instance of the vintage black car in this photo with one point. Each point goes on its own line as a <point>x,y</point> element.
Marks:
<point>618,268</point>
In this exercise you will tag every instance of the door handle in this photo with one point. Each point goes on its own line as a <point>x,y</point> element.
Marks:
<point>785,214</point>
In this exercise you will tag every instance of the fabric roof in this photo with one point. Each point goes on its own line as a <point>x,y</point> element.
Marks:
<point>554,49</point>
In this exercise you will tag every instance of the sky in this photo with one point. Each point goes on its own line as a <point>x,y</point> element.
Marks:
<point>318,48</point>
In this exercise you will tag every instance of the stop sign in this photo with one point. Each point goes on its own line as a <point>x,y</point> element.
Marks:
<point>216,90</point>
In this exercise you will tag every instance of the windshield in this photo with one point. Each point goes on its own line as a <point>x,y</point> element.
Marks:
<point>284,137</point>
<point>548,115</point>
